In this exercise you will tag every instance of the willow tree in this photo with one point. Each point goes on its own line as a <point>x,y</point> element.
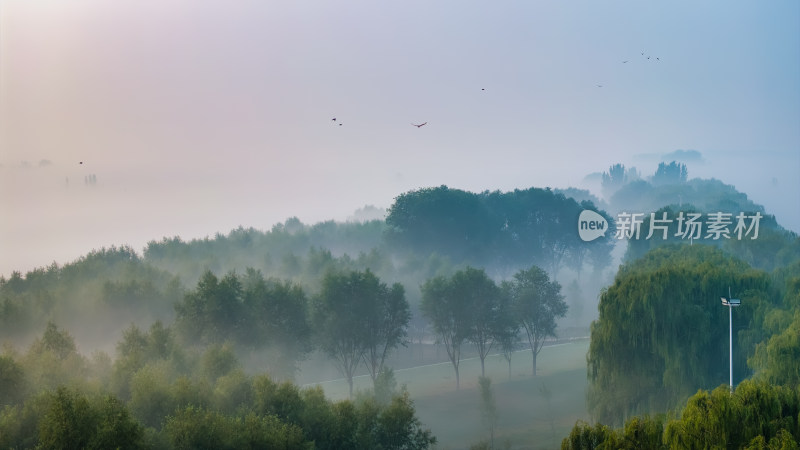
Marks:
<point>662,333</point>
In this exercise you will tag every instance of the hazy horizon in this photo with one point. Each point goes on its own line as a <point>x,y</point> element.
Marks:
<point>197,118</point>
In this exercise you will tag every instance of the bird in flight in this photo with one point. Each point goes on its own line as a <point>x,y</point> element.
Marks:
<point>624,62</point>
<point>334,119</point>
<point>420,125</point>
<point>80,162</point>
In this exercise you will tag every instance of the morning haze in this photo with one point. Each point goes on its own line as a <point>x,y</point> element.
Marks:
<point>167,154</point>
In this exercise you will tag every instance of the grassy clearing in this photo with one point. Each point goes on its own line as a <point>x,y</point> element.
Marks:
<point>533,413</point>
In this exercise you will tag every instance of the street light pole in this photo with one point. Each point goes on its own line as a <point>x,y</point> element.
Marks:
<point>730,303</point>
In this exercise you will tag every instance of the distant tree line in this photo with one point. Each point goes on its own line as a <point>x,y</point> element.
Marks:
<point>509,231</point>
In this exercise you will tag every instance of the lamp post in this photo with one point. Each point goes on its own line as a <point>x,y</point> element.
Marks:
<point>730,303</point>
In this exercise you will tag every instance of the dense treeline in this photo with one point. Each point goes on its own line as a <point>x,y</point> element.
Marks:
<point>115,284</point>
<point>200,317</point>
<point>168,385</point>
<point>661,328</point>
<point>659,337</point>
<point>160,395</point>
<point>756,416</point>
<point>507,231</point>
<point>764,245</point>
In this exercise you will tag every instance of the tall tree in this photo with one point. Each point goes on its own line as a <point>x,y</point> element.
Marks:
<point>671,173</point>
<point>357,317</point>
<point>537,304</point>
<point>277,316</point>
<point>491,316</point>
<point>662,333</point>
<point>450,314</point>
<point>386,326</point>
<point>213,312</point>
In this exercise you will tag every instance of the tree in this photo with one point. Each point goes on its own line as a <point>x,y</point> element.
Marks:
<point>276,316</point>
<point>671,173</point>
<point>616,177</point>
<point>353,320</point>
<point>661,332</point>
<point>72,420</point>
<point>386,326</point>
<point>778,359</point>
<point>12,381</point>
<point>718,419</point>
<point>213,312</point>
<point>537,302</point>
<point>492,320</point>
<point>450,312</point>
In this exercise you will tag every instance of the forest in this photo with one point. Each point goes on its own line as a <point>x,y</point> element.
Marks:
<point>198,344</point>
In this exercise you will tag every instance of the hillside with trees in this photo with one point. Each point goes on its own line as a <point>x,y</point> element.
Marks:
<point>200,341</point>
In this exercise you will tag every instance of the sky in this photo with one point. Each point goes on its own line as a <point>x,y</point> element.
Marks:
<point>196,117</point>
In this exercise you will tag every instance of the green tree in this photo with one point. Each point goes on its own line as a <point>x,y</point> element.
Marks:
<point>344,315</point>
<point>214,311</point>
<point>671,173</point>
<point>386,326</point>
<point>662,333</point>
<point>448,308</point>
<point>492,319</point>
<point>197,429</point>
<point>276,316</point>
<point>537,303</point>
<point>718,419</point>
<point>73,421</point>
<point>12,381</point>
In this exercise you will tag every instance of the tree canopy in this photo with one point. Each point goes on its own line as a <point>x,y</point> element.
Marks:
<point>662,333</point>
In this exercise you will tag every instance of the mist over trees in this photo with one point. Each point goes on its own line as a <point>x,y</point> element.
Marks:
<point>507,231</point>
<point>535,302</point>
<point>358,318</point>
<point>158,395</point>
<point>661,328</point>
<point>198,341</point>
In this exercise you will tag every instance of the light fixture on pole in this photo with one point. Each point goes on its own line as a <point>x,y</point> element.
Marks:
<point>730,303</point>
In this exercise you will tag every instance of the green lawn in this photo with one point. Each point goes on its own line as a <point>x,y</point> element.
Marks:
<point>527,418</point>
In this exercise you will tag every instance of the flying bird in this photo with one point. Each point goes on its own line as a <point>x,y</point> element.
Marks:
<point>80,162</point>
<point>624,62</point>
<point>334,119</point>
<point>420,125</point>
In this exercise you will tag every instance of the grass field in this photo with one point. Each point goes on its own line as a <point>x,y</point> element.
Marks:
<point>533,413</point>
